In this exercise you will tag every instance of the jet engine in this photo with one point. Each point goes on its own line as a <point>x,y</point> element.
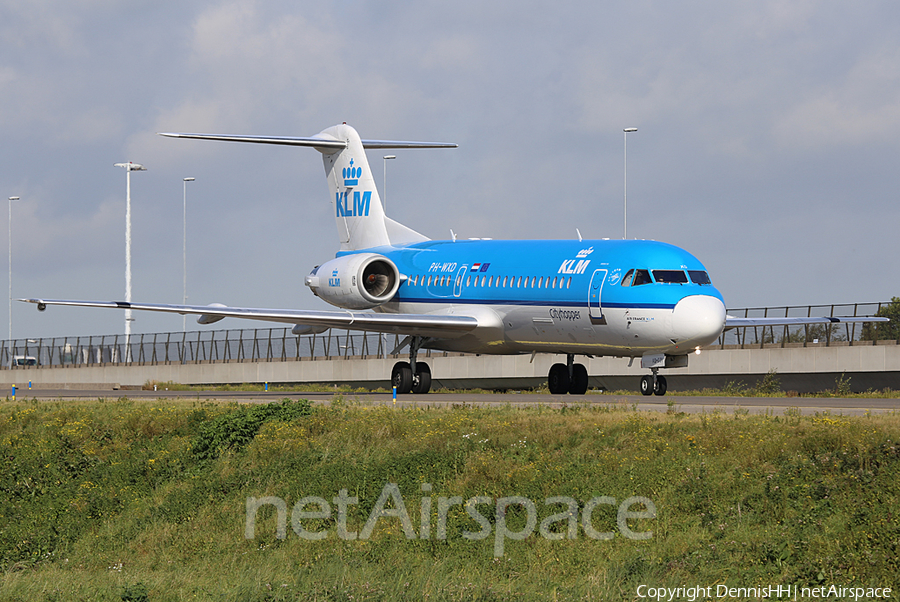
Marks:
<point>359,281</point>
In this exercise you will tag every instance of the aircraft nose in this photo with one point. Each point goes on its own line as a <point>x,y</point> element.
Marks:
<point>698,320</point>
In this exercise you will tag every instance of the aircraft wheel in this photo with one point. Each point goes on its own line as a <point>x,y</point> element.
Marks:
<point>646,385</point>
<point>558,379</point>
<point>579,384</point>
<point>661,386</point>
<point>401,377</point>
<point>423,383</point>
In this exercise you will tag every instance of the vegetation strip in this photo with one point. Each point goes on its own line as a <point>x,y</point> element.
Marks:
<point>136,501</point>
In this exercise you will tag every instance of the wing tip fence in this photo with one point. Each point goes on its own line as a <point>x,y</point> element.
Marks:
<point>279,344</point>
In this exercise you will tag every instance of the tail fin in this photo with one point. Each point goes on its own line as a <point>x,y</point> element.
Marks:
<point>356,205</point>
<point>358,211</point>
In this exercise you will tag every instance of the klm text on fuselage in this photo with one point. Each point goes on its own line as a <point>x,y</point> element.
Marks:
<point>359,207</point>
<point>574,266</point>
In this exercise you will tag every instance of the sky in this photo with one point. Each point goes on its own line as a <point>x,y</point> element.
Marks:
<point>767,143</point>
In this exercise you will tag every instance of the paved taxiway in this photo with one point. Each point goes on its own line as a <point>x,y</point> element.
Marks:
<point>754,405</point>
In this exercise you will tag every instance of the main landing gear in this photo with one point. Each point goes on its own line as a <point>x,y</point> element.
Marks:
<point>569,378</point>
<point>653,384</point>
<point>408,380</point>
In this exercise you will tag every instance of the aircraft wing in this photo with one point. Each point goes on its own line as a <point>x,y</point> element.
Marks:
<point>426,325</point>
<point>733,322</point>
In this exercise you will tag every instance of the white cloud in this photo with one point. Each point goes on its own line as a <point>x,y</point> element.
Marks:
<point>254,59</point>
<point>861,106</point>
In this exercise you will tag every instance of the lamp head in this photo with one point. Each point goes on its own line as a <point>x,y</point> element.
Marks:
<point>131,166</point>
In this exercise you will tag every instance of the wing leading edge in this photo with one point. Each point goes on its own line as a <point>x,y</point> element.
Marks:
<point>733,322</point>
<point>426,325</point>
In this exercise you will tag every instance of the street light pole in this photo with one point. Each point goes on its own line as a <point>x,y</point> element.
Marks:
<point>129,167</point>
<point>384,185</point>
<point>627,131</point>
<point>184,251</point>
<point>11,199</point>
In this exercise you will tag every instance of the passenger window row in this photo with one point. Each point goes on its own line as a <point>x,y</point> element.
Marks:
<point>485,281</point>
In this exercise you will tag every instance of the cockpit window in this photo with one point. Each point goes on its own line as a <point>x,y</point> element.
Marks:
<point>670,276</point>
<point>699,277</point>
<point>626,281</point>
<point>641,277</point>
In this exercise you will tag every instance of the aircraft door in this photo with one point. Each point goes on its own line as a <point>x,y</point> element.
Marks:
<point>458,284</point>
<point>595,297</point>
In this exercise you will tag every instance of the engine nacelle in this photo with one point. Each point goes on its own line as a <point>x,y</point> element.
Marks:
<point>360,281</point>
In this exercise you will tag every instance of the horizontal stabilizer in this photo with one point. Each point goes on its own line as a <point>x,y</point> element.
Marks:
<point>355,202</point>
<point>320,141</point>
<point>401,144</point>
<point>314,141</point>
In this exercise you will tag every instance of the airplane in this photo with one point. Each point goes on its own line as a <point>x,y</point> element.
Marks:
<point>622,298</point>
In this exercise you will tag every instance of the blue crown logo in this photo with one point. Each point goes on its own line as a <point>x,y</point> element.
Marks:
<point>352,174</point>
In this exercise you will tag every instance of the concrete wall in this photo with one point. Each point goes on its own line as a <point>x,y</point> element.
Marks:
<point>812,368</point>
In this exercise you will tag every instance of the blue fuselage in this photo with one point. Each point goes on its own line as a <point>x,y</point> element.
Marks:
<point>605,297</point>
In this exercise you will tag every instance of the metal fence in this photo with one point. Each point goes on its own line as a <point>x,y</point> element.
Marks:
<point>789,336</point>
<point>258,344</point>
<point>279,344</point>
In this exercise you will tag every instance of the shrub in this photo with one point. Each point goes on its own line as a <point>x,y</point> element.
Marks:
<point>884,331</point>
<point>235,429</point>
<point>769,385</point>
<point>135,593</point>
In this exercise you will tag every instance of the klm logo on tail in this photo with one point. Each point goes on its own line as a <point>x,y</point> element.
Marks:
<point>358,208</point>
<point>351,175</point>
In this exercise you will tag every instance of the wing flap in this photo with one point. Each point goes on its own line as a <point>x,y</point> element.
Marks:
<point>438,326</point>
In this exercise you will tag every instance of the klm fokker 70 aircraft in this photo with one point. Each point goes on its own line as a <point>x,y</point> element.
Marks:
<point>624,298</point>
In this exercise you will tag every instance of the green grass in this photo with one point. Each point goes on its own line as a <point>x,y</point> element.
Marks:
<point>128,500</point>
